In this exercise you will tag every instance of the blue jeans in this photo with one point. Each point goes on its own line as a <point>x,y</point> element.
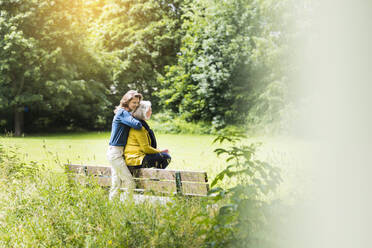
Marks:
<point>157,160</point>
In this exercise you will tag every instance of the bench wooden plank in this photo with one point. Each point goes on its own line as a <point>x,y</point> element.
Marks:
<point>89,169</point>
<point>104,181</point>
<point>99,171</point>
<point>189,176</point>
<point>157,186</point>
<point>79,169</point>
<point>158,180</point>
<point>189,188</point>
<point>84,180</point>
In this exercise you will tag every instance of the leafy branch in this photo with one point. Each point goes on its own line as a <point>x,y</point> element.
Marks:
<point>242,211</point>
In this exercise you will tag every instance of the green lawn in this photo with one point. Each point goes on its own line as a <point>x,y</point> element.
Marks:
<point>188,151</point>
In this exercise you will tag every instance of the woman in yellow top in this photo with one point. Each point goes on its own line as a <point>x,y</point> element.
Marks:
<point>140,150</point>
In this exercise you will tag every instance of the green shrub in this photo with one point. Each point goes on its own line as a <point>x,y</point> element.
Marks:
<point>168,122</point>
<point>244,212</point>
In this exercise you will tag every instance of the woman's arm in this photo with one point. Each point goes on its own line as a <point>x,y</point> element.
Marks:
<point>127,119</point>
<point>144,143</point>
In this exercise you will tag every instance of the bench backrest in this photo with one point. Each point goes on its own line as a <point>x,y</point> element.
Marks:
<point>191,183</point>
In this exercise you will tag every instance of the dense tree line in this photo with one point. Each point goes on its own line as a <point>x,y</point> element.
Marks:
<point>66,64</point>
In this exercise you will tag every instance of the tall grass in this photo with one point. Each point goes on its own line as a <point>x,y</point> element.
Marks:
<point>51,213</point>
<point>40,207</point>
<point>43,208</point>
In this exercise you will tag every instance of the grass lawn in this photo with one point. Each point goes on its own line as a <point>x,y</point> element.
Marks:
<point>188,151</point>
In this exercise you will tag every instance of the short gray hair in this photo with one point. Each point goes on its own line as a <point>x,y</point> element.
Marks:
<point>140,112</point>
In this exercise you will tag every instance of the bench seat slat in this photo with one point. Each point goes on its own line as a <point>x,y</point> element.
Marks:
<point>79,169</point>
<point>171,187</point>
<point>194,188</point>
<point>158,180</point>
<point>157,186</point>
<point>161,186</point>
<point>99,171</point>
<point>188,176</point>
<point>91,170</point>
<point>82,179</point>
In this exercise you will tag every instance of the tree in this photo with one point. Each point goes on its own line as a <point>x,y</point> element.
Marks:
<point>46,65</point>
<point>136,39</point>
<point>222,68</point>
<point>18,60</point>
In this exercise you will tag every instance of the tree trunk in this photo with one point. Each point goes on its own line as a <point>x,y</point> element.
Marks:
<point>18,121</point>
<point>18,111</point>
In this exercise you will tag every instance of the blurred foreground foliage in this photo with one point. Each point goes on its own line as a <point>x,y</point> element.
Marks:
<point>244,217</point>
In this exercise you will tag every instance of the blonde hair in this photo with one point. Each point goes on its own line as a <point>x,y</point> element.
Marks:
<point>141,111</point>
<point>124,102</point>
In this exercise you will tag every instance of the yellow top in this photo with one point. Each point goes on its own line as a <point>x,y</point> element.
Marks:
<point>138,145</point>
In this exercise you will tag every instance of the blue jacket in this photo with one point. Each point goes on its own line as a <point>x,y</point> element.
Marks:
<point>121,124</point>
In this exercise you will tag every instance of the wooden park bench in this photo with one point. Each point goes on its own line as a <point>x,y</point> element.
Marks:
<point>158,181</point>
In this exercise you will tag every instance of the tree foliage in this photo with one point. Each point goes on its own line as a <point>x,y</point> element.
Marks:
<point>226,62</point>
<point>243,218</point>
<point>46,67</point>
<point>136,39</point>
<point>68,63</point>
<point>212,48</point>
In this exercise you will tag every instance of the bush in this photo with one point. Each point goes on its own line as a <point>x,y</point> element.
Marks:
<point>168,122</point>
<point>244,208</point>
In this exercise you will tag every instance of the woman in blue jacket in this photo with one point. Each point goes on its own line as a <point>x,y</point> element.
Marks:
<point>121,125</point>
